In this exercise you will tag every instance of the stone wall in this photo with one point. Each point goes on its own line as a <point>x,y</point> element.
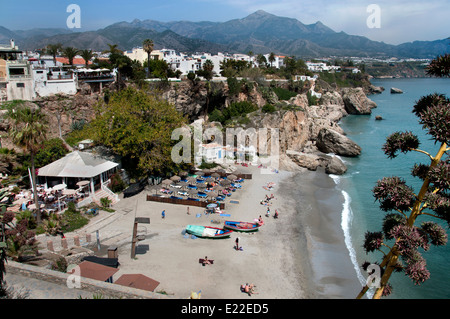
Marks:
<point>107,290</point>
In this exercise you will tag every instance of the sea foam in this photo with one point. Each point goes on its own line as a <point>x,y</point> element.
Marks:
<point>346,225</point>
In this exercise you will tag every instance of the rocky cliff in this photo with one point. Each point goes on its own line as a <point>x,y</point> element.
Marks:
<point>309,135</point>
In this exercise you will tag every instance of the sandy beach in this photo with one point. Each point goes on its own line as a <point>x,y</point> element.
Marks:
<point>291,257</point>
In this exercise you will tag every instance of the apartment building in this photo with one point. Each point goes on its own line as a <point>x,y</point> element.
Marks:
<point>16,79</point>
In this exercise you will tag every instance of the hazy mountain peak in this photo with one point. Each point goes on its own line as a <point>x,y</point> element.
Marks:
<point>259,14</point>
<point>260,32</point>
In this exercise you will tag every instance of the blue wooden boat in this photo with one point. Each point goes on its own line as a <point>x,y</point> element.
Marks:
<point>241,226</point>
<point>208,231</point>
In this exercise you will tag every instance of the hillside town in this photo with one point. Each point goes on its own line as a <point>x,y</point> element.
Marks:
<point>27,75</point>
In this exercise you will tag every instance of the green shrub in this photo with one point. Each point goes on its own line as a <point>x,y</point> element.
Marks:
<point>105,201</point>
<point>239,108</point>
<point>268,108</point>
<point>234,86</point>
<point>52,150</point>
<point>284,94</point>
<point>117,184</point>
<point>73,219</point>
<point>216,116</point>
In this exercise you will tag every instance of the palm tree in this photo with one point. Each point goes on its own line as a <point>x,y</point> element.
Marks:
<point>28,131</point>
<point>147,45</point>
<point>250,54</point>
<point>112,49</point>
<point>87,55</point>
<point>70,53</point>
<point>261,60</point>
<point>54,49</point>
<point>271,58</point>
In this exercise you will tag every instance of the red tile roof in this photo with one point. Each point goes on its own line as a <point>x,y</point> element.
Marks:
<point>76,61</point>
<point>95,271</point>
<point>138,281</point>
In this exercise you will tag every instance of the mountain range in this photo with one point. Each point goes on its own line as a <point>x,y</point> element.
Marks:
<point>260,32</point>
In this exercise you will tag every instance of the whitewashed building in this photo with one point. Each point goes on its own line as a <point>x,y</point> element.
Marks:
<point>16,78</point>
<point>54,80</point>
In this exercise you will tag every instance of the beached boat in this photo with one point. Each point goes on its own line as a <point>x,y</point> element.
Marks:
<point>208,231</point>
<point>241,226</point>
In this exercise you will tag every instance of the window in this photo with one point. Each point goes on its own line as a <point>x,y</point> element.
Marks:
<point>16,71</point>
<point>20,85</point>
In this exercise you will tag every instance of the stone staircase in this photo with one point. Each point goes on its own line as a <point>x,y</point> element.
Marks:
<point>105,193</point>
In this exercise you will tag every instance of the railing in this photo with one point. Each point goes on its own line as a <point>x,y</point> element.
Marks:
<point>108,191</point>
<point>60,77</point>
<point>85,201</point>
<point>20,77</point>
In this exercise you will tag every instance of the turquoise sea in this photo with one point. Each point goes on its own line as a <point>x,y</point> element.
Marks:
<point>360,211</point>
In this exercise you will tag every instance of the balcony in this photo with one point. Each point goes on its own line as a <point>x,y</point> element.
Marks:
<point>20,77</point>
<point>59,77</point>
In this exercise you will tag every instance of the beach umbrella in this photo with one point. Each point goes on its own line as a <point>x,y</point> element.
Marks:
<point>215,175</point>
<point>206,172</point>
<point>33,206</point>
<point>210,180</point>
<point>192,179</point>
<point>20,201</point>
<point>59,187</point>
<point>213,205</point>
<point>183,174</point>
<point>166,182</point>
<point>232,177</point>
<point>69,191</point>
<point>192,192</point>
<point>225,182</point>
<point>212,194</point>
<point>199,173</point>
<point>175,178</point>
<point>183,184</point>
<point>201,185</point>
<point>82,183</point>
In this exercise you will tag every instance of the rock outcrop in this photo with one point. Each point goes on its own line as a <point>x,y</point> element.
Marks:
<point>189,99</point>
<point>375,89</point>
<point>396,91</point>
<point>312,161</point>
<point>356,101</point>
<point>335,166</point>
<point>330,141</point>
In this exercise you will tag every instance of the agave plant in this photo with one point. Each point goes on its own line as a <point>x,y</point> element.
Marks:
<point>53,226</point>
<point>402,241</point>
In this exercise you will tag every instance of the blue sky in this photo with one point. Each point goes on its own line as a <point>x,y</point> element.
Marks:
<point>401,20</point>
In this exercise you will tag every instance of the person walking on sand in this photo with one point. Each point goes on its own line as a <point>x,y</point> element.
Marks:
<point>163,214</point>
<point>237,243</point>
<point>188,211</point>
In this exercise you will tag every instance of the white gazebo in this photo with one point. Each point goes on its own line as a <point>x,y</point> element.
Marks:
<point>75,167</point>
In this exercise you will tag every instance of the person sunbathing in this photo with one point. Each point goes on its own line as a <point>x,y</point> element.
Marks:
<point>249,289</point>
<point>206,261</point>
